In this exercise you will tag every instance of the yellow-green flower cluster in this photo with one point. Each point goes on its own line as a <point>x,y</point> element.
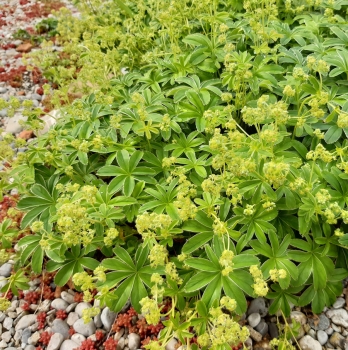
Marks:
<point>226,261</point>
<point>172,273</point>
<point>260,286</point>
<point>158,255</point>
<point>150,310</point>
<point>222,330</point>
<point>110,235</point>
<point>150,225</point>
<point>4,304</point>
<point>228,303</point>
<point>89,313</point>
<point>275,274</point>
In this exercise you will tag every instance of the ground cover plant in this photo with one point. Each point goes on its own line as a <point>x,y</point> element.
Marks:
<point>213,171</point>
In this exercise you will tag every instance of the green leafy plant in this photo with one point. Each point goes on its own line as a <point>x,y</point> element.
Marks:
<point>210,173</point>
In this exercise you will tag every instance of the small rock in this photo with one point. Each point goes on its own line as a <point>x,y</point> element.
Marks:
<point>120,344</point>
<point>59,304</point>
<point>108,318</point>
<point>29,347</point>
<point>339,303</point>
<point>26,47</point>
<point>12,125</point>
<point>8,323</point>
<point>78,338</point>
<point>119,334</point>
<point>338,317</point>
<point>81,306</point>
<point>298,317</point>
<point>336,328</point>
<point>338,340</point>
<point>2,316</point>
<point>71,307</point>
<point>72,318</point>
<point>67,297</point>
<point>34,338</point>
<point>25,134</point>
<point>255,335</point>
<point>97,321</point>
<point>44,306</point>
<point>258,305</point>
<point>6,336</point>
<point>262,328</point>
<point>26,334</point>
<point>85,329</point>
<point>55,341</point>
<point>60,326</point>
<point>68,345</point>
<point>329,331</point>
<point>254,319</point>
<point>2,90</point>
<point>322,337</point>
<point>26,321</point>
<point>133,341</point>
<point>171,345</point>
<point>3,344</point>
<point>312,333</point>
<point>308,343</point>
<point>319,324</point>
<point>5,270</point>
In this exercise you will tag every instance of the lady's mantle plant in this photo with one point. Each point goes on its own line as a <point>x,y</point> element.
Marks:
<point>213,171</point>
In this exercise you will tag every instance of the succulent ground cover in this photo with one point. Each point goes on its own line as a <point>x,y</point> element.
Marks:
<point>201,161</point>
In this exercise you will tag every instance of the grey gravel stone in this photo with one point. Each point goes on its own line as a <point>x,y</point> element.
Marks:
<point>12,125</point>
<point>59,304</point>
<point>273,330</point>
<point>55,341</point>
<point>120,344</point>
<point>133,341</point>
<point>254,319</point>
<point>254,335</point>
<point>97,321</point>
<point>29,347</point>
<point>78,338</point>
<point>68,345</point>
<point>262,328</point>
<point>26,321</point>
<point>67,297</point>
<point>26,334</point>
<point>85,329</point>
<point>338,340</point>
<point>5,270</point>
<point>71,307</point>
<point>340,302</point>
<point>3,90</point>
<point>308,343</point>
<point>338,317</point>
<point>108,318</point>
<point>322,337</point>
<point>258,305</point>
<point>8,323</point>
<point>72,318</point>
<point>6,336</point>
<point>323,323</point>
<point>172,344</point>
<point>60,326</point>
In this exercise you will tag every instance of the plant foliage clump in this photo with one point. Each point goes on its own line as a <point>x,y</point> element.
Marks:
<point>212,171</point>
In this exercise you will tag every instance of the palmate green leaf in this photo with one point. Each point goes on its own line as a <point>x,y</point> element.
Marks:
<point>333,134</point>
<point>282,299</point>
